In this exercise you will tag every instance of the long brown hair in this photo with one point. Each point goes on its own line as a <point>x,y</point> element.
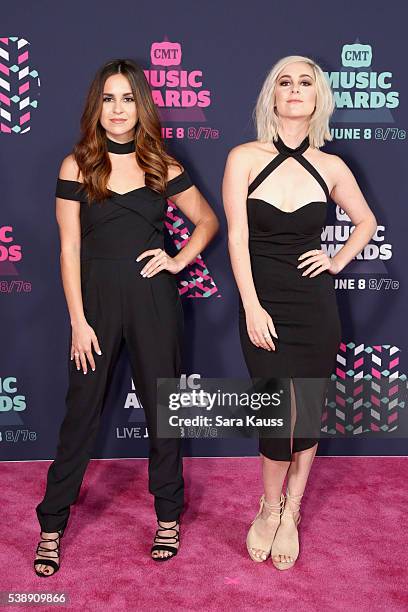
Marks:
<point>91,153</point>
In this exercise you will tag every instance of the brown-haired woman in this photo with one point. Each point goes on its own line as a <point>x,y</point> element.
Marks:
<point>119,286</point>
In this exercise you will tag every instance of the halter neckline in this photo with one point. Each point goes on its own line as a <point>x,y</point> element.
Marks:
<point>283,148</point>
<point>284,152</point>
<point>120,148</point>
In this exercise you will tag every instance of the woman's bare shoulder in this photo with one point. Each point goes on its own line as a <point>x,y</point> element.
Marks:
<point>333,167</point>
<point>331,162</point>
<point>249,148</point>
<point>174,170</point>
<point>249,152</point>
<point>69,170</point>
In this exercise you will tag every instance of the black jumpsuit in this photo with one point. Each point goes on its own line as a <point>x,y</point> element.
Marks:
<point>120,305</point>
<point>303,308</point>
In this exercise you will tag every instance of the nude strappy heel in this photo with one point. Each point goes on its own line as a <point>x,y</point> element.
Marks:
<point>286,540</point>
<point>254,541</point>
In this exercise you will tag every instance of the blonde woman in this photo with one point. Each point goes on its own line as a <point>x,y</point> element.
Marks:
<point>276,191</point>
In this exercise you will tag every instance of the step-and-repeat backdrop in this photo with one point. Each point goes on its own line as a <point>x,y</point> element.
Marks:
<point>205,63</point>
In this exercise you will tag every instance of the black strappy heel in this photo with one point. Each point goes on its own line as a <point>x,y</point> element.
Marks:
<point>50,561</point>
<point>167,547</point>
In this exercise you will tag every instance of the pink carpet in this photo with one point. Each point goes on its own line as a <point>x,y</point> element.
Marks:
<point>354,539</point>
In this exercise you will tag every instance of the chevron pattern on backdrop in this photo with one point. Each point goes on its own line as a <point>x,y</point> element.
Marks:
<point>196,282</point>
<point>367,392</point>
<point>18,85</point>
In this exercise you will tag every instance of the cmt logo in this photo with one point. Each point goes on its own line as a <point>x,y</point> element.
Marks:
<point>357,56</point>
<point>19,86</point>
<point>165,54</point>
<point>174,87</point>
<point>8,398</point>
<point>358,87</point>
<point>8,251</point>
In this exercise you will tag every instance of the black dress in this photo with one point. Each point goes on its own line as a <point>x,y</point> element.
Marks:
<point>122,307</point>
<point>303,309</point>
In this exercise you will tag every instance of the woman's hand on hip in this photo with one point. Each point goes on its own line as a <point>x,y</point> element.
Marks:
<point>260,327</point>
<point>318,262</point>
<point>83,339</point>
<point>159,261</point>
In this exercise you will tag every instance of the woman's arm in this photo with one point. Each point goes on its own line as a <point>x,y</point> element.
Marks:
<point>347,194</point>
<point>235,192</point>
<point>67,213</point>
<point>196,208</point>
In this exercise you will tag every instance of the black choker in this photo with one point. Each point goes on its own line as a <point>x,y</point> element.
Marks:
<point>120,148</point>
<point>282,148</point>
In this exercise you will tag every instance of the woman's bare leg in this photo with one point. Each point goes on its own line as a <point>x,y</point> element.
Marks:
<point>297,471</point>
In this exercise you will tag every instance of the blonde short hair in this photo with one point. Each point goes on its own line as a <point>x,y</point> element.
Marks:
<point>266,119</point>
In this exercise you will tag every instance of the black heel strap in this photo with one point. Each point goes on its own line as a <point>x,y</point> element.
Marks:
<point>158,547</point>
<point>176,537</point>
<point>43,549</point>
<point>45,552</point>
<point>49,562</point>
<point>169,546</point>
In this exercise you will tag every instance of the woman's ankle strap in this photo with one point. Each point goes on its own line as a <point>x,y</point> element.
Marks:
<point>294,499</point>
<point>175,521</point>
<point>276,506</point>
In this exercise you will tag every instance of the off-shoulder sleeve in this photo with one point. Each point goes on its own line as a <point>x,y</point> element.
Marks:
<point>179,183</point>
<point>70,190</point>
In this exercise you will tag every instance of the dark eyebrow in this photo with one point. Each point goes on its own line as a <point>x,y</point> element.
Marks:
<point>105,93</point>
<point>287,76</point>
